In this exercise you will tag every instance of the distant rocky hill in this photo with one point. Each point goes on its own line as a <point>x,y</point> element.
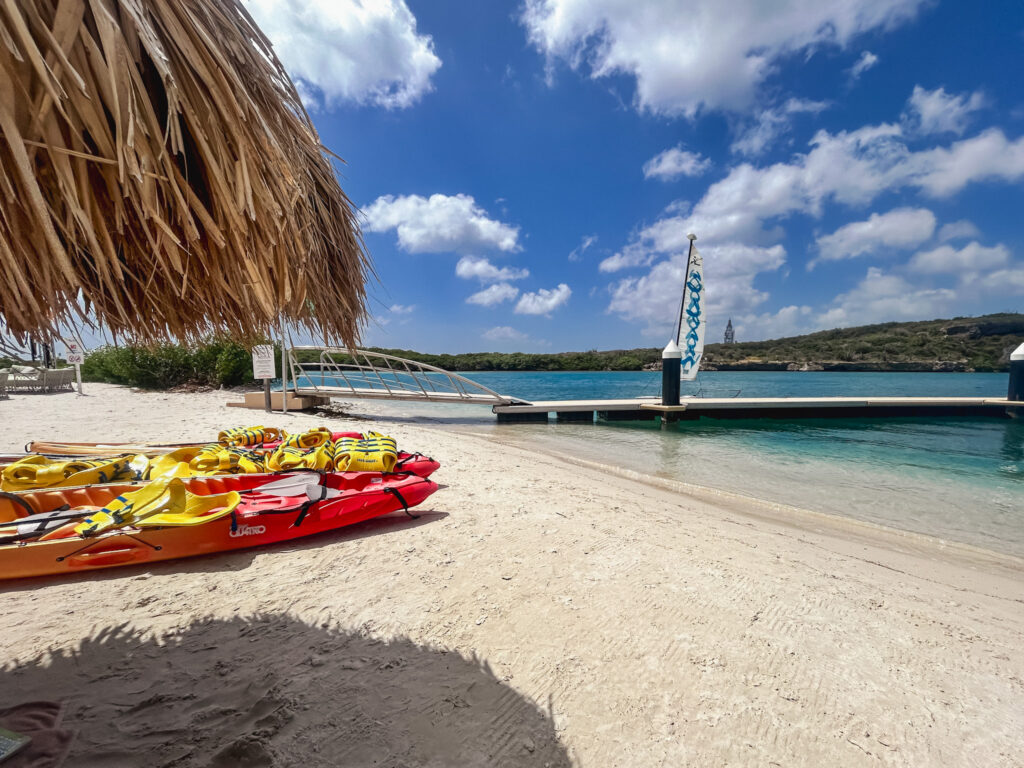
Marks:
<point>960,344</point>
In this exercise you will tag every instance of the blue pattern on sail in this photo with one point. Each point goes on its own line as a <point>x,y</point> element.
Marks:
<point>692,318</point>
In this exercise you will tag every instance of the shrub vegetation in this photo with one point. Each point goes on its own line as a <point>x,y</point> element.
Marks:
<point>216,363</point>
<point>978,343</point>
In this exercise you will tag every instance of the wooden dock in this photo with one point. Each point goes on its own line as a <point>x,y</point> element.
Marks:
<point>649,409</point>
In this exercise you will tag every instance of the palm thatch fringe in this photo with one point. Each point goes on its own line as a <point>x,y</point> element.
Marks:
<point>160,177</point>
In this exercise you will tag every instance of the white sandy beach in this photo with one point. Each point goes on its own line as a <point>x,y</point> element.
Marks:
<point>540,612</point>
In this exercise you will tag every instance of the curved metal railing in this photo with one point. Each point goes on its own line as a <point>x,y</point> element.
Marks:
<point>359,373</point>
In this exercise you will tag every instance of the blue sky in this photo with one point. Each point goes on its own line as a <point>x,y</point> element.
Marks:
<point>527,172</point>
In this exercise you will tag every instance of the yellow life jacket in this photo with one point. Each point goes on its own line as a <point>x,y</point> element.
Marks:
<point>373,453</point>
<point>311,438</point>
<point>291,457</point>
<point>216,459</point>
<point>250,436</point>
<point>42,472</point>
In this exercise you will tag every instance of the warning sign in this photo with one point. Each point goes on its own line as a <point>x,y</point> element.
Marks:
<point>75,354</point>
<point>263,361</point>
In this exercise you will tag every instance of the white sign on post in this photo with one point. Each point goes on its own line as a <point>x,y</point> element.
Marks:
<point>263,368</point>
<point>76,357</point>
<point>263,362</point>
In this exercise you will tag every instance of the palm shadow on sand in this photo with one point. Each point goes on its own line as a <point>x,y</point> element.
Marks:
<point>272,690</point>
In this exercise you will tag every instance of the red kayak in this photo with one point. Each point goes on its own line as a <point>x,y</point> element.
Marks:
<point>273,508</point>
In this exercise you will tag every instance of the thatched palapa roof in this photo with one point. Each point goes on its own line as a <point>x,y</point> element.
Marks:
<point>159,176</point>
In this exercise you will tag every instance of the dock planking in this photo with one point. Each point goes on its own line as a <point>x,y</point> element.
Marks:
<point>647,409</point>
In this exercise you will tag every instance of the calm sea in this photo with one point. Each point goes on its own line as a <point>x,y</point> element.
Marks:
<point>956,479</point>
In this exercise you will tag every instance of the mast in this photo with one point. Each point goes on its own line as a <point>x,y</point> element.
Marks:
<point>686,275</point>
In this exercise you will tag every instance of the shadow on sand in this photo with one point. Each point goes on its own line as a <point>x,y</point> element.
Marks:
<point>272,690</point>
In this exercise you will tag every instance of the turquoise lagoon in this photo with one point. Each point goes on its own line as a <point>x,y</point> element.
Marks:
<point>955,479</point>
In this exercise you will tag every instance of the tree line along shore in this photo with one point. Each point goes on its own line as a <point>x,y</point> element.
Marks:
<point>959,344</point>
<point>954,345</point>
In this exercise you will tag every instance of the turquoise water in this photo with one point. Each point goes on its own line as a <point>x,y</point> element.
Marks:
<point>609,384</point>
<point>956,479</point>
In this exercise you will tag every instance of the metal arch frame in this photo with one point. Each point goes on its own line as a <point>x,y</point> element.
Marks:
<point>377,375</point>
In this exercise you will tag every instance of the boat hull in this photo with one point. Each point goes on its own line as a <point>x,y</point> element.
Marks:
<point>257,523</point>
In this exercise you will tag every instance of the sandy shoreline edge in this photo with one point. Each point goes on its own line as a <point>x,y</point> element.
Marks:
<point>600,619</point>
<point>787,514</point>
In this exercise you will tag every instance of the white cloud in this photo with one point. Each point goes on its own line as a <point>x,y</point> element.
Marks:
<point>632,255</point>
<point>688,55</point>
<point>440,224</point>
<point>851,167</point>
<point>988,156</point>
<point>543,301</point>
<point>673,163</point>
<point>798,106</point>
<point>1004,281</point>
<point>576,254</point>
<point>494,294</point>
<point>345,50</point>
<point>866,61</point>
<point>899,228</point>
<point>789,321</point>
<point>881,298</point>
<point>754,139</point>
<point>958,230</point>
<point>504,333</point>
<point>729,272</point>
<point>470,267</point>
<point>931,112</point>
<point>743,215</point>
<point>401,309</point>
<point>878,298</point>
<point>973,257</point>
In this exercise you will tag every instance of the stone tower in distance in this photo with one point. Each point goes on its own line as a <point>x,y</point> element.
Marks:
<point>730,335</point>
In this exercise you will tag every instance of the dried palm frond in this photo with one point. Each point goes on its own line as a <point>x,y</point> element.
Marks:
<point>160,177</point>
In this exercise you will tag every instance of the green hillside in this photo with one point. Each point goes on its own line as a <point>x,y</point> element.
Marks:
<point>960,344</point>
<point>963,343</point>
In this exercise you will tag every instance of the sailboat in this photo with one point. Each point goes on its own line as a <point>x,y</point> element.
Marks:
<point>691,323</point>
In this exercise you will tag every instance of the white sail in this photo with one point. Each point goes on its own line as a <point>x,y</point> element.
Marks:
<point>690,334</point>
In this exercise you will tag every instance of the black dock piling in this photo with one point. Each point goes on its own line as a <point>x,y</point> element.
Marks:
<point>671,364</point>
<point>1015,391</point>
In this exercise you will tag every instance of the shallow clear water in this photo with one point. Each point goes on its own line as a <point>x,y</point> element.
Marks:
<point>957,479</point>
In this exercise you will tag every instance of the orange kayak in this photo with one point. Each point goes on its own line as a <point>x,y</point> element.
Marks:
<point>58,448</point>
<point>315,503</point>
<point>103,449</point>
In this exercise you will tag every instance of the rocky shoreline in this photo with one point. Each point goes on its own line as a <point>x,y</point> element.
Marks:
<point>840,366</point>
<point>910,366</point>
